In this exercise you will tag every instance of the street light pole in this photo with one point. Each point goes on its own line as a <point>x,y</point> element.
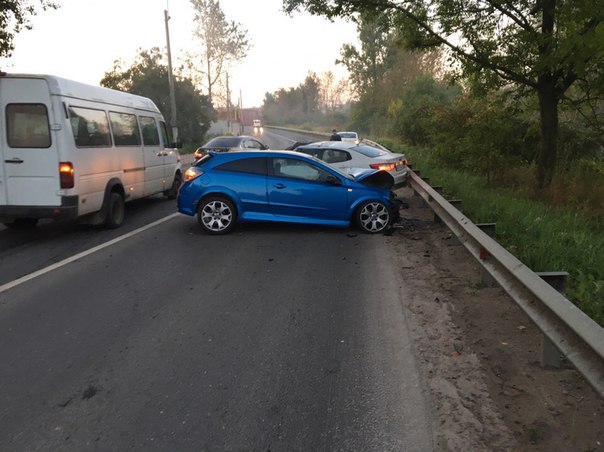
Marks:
<point>171,82</point>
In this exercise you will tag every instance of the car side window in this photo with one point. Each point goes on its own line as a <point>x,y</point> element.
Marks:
<point>248,166</point>
<point>314,152</point>
<point>252,144</point>
<point>298,169</point>
<point>335,156</point>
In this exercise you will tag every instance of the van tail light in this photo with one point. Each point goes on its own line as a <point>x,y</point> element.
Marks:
<point>66,174</point>
<point>383,166</point>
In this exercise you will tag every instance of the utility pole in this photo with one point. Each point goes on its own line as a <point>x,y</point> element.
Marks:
<point>171,82</point>
<point>228,100</point>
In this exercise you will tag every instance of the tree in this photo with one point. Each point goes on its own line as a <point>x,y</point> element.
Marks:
<point>14,16</point>
<point>222,42</point>
<point>539,47</point>
<point>148,76</point>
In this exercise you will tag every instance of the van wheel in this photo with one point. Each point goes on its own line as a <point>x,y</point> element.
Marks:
<point>373,217</point>
<point>115,211</point>
<point>216,215</point>
<point>172,193</point>
<point>22,223</point>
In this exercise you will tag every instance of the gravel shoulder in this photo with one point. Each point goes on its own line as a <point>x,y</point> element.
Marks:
<point>479,354</point>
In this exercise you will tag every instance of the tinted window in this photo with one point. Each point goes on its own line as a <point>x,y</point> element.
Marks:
<point>314,152</point>
<point>125,129</point>
<point>335,156</point>
<point>347,134</point>
<point>249,165</point>
<point>223,142</point>
<point>298,169</point>
<point>90,127</point>
<point>252,144</point>
<point>27,126</point>
<point>369,151</point>
<point>150,133</point>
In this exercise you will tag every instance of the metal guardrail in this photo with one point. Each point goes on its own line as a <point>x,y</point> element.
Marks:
<point>572,332</point>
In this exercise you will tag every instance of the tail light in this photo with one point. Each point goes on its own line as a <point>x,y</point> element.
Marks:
<point>383,166</point>
<point>66,174</point>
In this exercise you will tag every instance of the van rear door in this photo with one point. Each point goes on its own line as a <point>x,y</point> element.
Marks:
<point>30,162</point>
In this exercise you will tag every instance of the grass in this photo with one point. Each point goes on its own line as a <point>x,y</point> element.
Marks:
<point>544,236</point>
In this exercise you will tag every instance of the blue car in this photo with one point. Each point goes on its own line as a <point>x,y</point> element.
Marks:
<point>223,189</point>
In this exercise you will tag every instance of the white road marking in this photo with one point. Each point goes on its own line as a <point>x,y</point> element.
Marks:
<point>75,257</point>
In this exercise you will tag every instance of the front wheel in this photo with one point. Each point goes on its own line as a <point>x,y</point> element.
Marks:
<point>373,217</point>
<point>172,192</point>
<point>217,215</point>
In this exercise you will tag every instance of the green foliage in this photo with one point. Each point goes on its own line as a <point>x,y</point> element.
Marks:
<point>148,76</point>
<point>14,16</point>
<point>543,236</point>
<point>412,114</point>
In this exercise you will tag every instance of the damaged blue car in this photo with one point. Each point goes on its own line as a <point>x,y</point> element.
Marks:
<point>224,189</point>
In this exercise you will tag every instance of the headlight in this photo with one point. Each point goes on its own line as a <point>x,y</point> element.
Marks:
<point>192,173</point>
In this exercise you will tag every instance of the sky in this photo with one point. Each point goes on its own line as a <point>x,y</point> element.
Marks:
<point>82,39</point>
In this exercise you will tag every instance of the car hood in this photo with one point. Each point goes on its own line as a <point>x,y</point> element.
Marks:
<point>372,177</point>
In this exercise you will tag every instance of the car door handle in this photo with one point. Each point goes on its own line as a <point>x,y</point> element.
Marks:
<point>14,160</point>
<point>279,186</point>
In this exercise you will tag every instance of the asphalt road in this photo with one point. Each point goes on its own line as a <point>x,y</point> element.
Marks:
<point>275,337</point>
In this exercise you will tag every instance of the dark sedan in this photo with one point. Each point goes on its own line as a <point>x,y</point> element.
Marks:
<point>230,143</point>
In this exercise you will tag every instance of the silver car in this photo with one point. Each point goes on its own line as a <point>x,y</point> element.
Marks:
<point>345,155</point>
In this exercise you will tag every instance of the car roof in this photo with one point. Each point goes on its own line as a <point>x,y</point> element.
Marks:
<point>330,144</point>
<point>229,139</point>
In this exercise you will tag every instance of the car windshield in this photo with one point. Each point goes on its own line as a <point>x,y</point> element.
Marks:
<point>223,142</point>
<point>369,151</point>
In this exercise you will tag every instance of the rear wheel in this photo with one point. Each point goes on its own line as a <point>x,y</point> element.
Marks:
<point>115,211</point>
<point>373,217</point>
<point>216,215</point>
<point>22,223</point>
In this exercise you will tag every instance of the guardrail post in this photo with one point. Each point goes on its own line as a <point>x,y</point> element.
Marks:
<point>550,355</point>
<point>486,279</point>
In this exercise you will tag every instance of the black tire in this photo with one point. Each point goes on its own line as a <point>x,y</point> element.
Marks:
<point>22,223</point>
<point>116,209</point>
<point>216,215</point>
<point>373,217</point>
<point>172,193</point>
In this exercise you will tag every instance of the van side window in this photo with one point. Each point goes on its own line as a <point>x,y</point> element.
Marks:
<point>165,136</point>
<point>90,127</point>
<point>150,133</point>
<point>27,126</point>
<point>125,129</point>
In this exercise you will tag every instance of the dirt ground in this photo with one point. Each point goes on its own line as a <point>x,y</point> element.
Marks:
<point>480,354</point>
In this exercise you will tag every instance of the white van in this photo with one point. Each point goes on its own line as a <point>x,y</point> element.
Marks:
<point>70,150</point>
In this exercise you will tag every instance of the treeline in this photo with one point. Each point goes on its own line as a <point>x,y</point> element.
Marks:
<point>318,102</point>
